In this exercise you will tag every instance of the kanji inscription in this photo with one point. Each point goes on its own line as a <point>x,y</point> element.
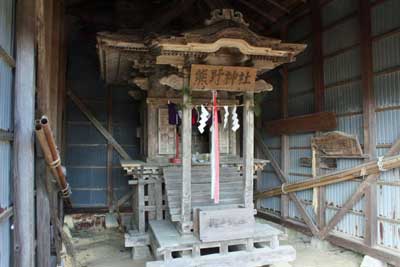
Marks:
<point>206,77</point>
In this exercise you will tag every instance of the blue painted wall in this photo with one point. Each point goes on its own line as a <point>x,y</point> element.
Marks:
<point>86,148</point>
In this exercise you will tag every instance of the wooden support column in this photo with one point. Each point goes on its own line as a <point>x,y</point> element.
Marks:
<point>285,151</point>
<point>248,148</point>
<point>319,95</point>
<point>186,220</point>
<point>110,195</point>
<point>24,110</point>
<point>368,118</point>
<point>42,214</point>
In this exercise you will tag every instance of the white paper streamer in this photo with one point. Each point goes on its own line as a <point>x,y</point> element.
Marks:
<point>203,119</point>
<point>226,116</point>
<point>235,120</point>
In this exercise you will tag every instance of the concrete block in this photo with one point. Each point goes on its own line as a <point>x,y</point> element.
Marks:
<point>141,253</point>
<point>372,262</point>
<point>321,244</point>
<point>111,221</point>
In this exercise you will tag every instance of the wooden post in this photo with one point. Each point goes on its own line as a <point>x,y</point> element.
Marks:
<point>24,110</point>
<point>285,149</point>
<point>110,193</point>
<point>42,214</point>
<point>319,95</point>
<point>186,204</point>
<point>248,148</point>
<point>368,118</point>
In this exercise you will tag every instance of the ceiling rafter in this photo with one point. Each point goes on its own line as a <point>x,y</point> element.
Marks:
<point>278,5</point>
<point>258,10</point>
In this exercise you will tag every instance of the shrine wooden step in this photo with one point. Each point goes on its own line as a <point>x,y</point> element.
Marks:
<point>231,187</point>
<point>172,249</point>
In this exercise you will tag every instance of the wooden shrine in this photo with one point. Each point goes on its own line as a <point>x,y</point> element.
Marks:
<point>174,212</point>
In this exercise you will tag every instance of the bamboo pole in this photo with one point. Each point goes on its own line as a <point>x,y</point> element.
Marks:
<point>52,157</point>
<point>335,177</point>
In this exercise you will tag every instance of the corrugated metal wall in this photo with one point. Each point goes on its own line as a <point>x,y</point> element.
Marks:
<point>86,148</point>
<point>343,95</point>
<point>6,123</point>
<point>386,65</point>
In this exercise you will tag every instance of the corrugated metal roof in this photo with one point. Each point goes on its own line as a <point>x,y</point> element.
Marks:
<point>352,125</point>
<point>344,99</point>
<point>301,104</point>
<point>341,36</point>
<point>386,53</point>
<point>336,10</point>
<point>300,80</point>
<point>388,126</point>
<point>342,67</point>
<point>385,16</point>
<point>386,88</point>
<point>351,224</point>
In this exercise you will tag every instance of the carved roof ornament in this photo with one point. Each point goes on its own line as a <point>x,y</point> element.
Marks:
<point>218,15</point>
<point>224,40</point>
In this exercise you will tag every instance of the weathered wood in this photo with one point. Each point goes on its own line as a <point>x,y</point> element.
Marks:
<point>24,110</point>
<point>335,177</point>
<point>42,215</point>
<point>361,190</point>
<point>226,224</point>
<point>257,257</point>
<point>186,202</point>
<point>325,163</point>
<point>98,126</point>
<point>317,56</point>
<point>9,60</point>
<point>138,207</point>
<point>122,200</point>
<point>283,178</point>
<point>369,118</point>
<point>337,144</point>
<point>6,214</point>
<point>322,121</point>
<point>233,79</point>
<point>152,140</point>
<point>110,193</point>
<point>248,148</point>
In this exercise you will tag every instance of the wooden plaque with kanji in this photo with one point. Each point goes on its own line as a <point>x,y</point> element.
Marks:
<point>206,77</point>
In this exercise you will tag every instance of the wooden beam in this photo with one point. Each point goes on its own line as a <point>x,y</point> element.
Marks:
<point>368,168</point>
<point>280,6</point>
<point>110,150</point>
<point>248,148</point>
<point>186,204</point>
<point>258,10</point>
<point>24,156</point>
<point>43,239</point>
<point>369,121</point>
<point>317,57</point>
<point>283,178</point>
<point>98,126</point>
<point>9,60</point>
<point>285,150</point>
<point>321,121</point>
<point>6,214</point>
